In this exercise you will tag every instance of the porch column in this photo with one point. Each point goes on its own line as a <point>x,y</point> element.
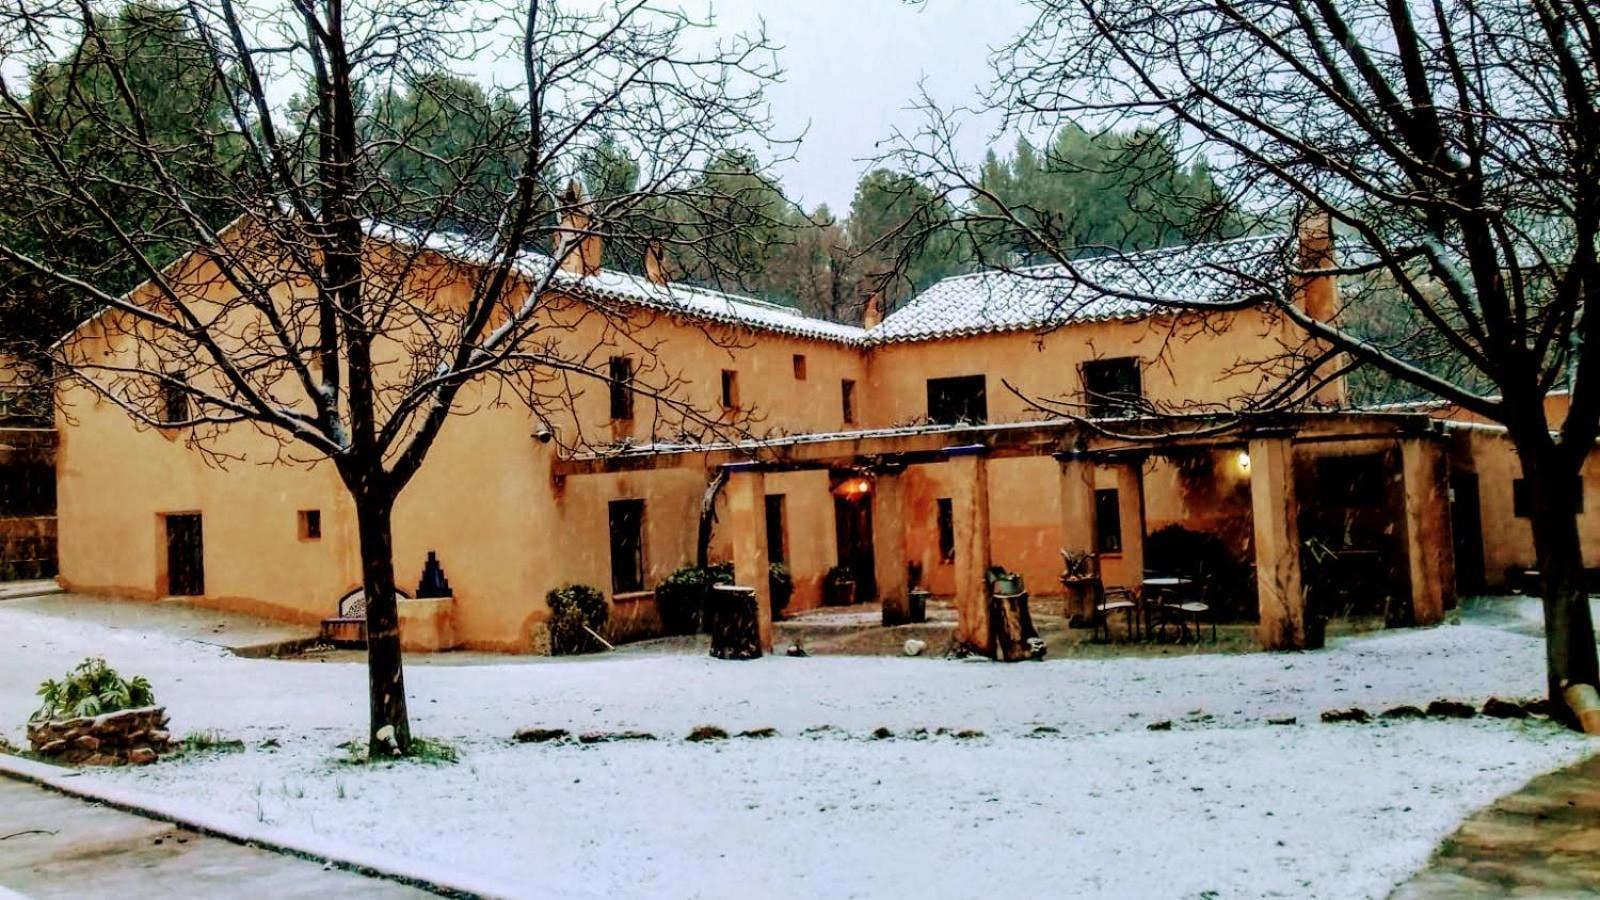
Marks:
<point>747,509</point>
<point>889,548</point>
<point>1279,594</point>
<point>1130,505</point>
<point>969,507</point>
<point>1429,552</point>
<point>1078,526</point>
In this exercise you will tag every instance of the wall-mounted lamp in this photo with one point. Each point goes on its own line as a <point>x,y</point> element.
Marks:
<point>851,488</point>
<point>1244,461</point>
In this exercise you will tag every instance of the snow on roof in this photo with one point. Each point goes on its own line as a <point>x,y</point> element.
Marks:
<point>1103,288</point>
<point>609,284</point>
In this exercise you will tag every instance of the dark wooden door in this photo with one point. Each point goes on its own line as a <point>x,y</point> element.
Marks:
<point>186,573</point>
<point>853,526</point>
<point>1466,527</point>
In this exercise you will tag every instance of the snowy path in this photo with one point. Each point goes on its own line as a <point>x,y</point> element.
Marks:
<point>1224,806</point>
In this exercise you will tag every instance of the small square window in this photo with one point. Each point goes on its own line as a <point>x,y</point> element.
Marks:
<point>799,367</point>
<point>730,389</point>
<point>310,524</point>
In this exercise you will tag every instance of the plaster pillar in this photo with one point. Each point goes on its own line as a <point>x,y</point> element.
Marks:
<point>1130,504</point>
<point>969,507</point>
<point>1279,593</point>
<point>889,548</point>
<point>1429,552</point>
<point>747,491</point>
<point>1078,527</point>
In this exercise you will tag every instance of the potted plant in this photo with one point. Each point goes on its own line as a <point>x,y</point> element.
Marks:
<point>1003,582</point>
<point>780,585</point>
<point>838,587</point>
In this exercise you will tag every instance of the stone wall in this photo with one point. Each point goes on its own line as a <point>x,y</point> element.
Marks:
<point>131,736</point>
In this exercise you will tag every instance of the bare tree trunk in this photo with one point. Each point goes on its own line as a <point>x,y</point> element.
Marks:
<point>390,726</point>
<point>1569,628</point>
<point>708,518</point>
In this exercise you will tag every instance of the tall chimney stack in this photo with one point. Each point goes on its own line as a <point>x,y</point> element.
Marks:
<point>655,263</point>
<point>1318,295</point>
<point>872,314</point>
<point>584,259</point>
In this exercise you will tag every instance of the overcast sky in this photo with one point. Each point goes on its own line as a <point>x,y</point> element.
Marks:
<point>852,69</point>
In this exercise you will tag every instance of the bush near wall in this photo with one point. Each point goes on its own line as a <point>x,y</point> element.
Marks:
<point>681,597</point>
<point>95,716</point>
<point>575,610</point>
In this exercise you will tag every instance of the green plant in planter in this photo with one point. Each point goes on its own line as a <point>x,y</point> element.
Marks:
<point>780,585</point>
<point>572,608</point>
<point>681,597</point>
<point>92,689</point>
<point>1003,582</point>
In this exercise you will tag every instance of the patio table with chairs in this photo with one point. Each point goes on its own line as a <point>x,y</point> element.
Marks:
<point>1160,603</point>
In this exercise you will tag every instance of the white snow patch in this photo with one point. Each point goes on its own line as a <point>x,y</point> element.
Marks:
<point>1100,808</point>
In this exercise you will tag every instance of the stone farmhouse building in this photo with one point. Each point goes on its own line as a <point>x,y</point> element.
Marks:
<point>931,440</point>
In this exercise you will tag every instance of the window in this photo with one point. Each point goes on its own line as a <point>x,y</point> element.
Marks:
<point>955,400</point>
<point>310,524</point>
<point>1107,521</point>
<point>627,546</point>
<point>847,400</point>
<point>175,400</point>
<point>777,530</point>
<point>730,389</point>
<point>621,376</point>
<point>1112,387</point>
<point>947,530</point>
<point>1521,503</point>
<point>799,367</point>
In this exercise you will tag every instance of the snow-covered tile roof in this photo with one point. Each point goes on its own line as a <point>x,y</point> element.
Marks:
<point>609,284</point>
<point>1108,287</point>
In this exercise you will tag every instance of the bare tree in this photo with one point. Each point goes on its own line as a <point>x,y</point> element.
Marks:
<point>1453,144</point>
<point>344,273</point>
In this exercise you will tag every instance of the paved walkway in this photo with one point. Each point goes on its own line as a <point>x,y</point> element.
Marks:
<point>1542,841</point>
<point>52,845</point>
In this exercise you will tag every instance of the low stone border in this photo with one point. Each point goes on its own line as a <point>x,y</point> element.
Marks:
<point>360,860</point>
<point>134,736</point>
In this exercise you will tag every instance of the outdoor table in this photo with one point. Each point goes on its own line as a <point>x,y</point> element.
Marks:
<point>1147,597</point>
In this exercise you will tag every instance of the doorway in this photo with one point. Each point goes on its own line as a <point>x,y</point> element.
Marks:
<point>186,573</point>
<point>852,519</point>
<point>1466,529</point>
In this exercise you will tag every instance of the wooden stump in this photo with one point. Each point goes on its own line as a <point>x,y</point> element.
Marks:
<point>1011,628</point>
<point>732,620</point>
<point>1081,596</point>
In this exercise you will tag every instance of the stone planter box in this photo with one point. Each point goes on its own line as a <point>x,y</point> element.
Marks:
<point>134,736</point>
<point>427,625</point>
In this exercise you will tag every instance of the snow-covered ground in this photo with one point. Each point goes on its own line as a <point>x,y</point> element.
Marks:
<point>1223,805</point>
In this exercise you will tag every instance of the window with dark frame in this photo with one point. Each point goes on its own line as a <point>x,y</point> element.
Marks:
<point>777,529</point>
<point>947,529</point>
<point>963,399</point>
<point>310,524</point>
<point>730,389</point>
<point>1107,521</point>
<point>847,400</point>
<point>175,400</point>
<point>627,546</point>
<point>1521,503</point>
<point>1113,387</point>
<point>799,367</point>
<point>621,379</point>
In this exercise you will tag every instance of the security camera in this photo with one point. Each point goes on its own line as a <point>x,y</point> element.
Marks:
<point>544,435</point>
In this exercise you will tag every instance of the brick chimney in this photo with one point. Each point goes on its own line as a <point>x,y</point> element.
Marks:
<point>575,225</point>
<point>655,263</point>
<point>872,314</point>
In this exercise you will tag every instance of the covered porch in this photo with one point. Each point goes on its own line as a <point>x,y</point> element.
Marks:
<point>1260,482</point>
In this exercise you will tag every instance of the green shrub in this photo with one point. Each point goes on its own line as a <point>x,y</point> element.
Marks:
<point>573,607</point>
<point>681,598</point>
<point>92,689</point>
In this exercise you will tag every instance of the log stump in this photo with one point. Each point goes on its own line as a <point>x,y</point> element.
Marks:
<point>1011,632</point>
<point>732,620</point>
<point>1082,595</point>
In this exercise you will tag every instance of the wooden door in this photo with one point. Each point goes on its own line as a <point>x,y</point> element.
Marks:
<point>186,573</point>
